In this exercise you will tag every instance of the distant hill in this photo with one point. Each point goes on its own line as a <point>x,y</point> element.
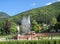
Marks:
<point>40,14</point>
<point>3,15</point>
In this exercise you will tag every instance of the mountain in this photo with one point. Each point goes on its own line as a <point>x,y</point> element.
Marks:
<point>3,15</point>
<point>40,14</point>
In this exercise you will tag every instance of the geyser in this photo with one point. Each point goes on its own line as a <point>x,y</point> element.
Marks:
<point>25,22</point>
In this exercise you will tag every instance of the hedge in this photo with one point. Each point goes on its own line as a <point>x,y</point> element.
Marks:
<point>31,42</point>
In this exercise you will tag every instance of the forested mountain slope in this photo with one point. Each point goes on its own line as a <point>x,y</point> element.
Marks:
<point>40,14</point>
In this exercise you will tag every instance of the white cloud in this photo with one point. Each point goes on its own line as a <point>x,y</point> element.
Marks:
<point>33,4</point>
<point>48,3</point>
<point>58,0</point>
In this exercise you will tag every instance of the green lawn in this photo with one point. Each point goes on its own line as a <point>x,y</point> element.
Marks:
<point>6,36</point>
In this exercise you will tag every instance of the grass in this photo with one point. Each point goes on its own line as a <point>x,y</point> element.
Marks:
<point>6,36</point>
<point>31,42</point>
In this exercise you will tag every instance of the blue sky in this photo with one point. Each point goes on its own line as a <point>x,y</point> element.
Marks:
<point>13,7</point>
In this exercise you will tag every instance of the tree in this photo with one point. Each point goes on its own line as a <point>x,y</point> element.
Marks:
<point>1,28</point>
<point>53,21</point>
<point>57,26</point>
<point>35,26</point>
<point>45,27</point>
<point>13,30</point>
<point>7,27</point>
<point>58,18</point>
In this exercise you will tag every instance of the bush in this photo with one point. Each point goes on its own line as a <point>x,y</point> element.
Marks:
<point>13,30</point>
